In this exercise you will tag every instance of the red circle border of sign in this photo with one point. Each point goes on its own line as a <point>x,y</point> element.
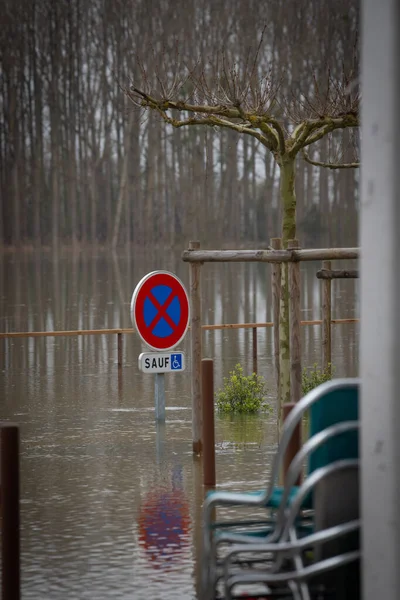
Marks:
<point>137,309</point>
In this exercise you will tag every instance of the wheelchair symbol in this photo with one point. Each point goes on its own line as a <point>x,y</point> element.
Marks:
<point>176,362</point>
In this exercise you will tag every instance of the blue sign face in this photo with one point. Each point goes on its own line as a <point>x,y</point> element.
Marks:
<point>176,362</point>
<point>161,312</point>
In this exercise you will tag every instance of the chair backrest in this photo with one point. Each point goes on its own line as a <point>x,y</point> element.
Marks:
<point>335,406</point>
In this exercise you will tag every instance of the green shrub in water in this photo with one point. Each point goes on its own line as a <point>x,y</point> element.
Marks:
<point>312,377</point>
<point>241,393</point>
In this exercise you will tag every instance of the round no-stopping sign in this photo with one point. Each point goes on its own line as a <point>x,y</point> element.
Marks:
<point>160,310</point>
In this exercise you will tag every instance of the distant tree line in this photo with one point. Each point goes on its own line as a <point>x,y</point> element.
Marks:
<point>79,165</point>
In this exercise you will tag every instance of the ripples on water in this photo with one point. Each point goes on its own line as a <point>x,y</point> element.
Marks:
<point>111,503</point>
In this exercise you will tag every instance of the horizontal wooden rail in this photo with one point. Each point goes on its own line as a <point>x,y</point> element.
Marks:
<point>24,334</point>
<point>236,326</point>
<point>64,333</point>
<point>269,256</point>
<point>337,274</point>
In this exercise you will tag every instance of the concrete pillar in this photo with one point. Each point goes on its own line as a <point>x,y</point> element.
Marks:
<point>380,295</point>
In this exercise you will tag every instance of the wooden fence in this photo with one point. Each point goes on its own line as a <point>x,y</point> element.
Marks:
<point>119,333</point>
<point>277,256</point>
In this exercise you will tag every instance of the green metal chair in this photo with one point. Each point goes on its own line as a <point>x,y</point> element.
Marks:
<point>330,571</point>
<point>330,404</point>
<point>326,515</point>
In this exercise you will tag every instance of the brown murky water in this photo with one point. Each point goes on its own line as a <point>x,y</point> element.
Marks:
<point>111,503</point>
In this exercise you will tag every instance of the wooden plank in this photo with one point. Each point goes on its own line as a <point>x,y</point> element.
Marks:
<point>237,326</point>
<point>340,321</point>
<point>295,333</point>
<point>120,349</point>
<point>326,318</point>
<point>235,256</point>
<point>208,437</point>
<point>276,244</point>
<point>294,444</point>
<point>27,334</point>
<point>196,334</point>
<point>269,256</point>
<point>254,337</point>
<point>327,254</point>
<point>326,273</point>
<point>284,342</point>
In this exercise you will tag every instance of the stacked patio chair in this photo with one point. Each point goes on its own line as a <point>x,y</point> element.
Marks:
<point>307,530</point>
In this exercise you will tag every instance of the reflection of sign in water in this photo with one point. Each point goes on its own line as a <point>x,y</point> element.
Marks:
<point>164,522</point>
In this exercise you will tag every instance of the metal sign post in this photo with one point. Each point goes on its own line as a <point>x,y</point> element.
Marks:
<point>160,315</point>
<point>159,396</point>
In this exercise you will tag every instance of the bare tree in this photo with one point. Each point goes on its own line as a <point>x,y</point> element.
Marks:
<point>64,123</point>
<point>246,97</point>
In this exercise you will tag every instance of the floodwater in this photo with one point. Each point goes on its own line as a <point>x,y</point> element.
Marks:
<point>110,502</point>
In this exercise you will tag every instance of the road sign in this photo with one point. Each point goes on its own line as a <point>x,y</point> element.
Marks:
<point>161,362</point>
<point>160,310</point>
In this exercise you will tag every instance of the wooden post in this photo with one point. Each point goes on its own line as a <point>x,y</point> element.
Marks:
<point>294,444</point>
<point>295,329</point>
<point>120,347</point>
<point>120,384</point>
<point>119,354</point>
<point>276,244</point>
<point>197,522</point>
<point>195,324</point>
<point>254,330</point>
<point>326,318</point>
<point>10,522</point>
<point>207,387</point>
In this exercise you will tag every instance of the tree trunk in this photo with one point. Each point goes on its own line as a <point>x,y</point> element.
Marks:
<point>122,196</point>
<point>288,199</point>
<point>288,203</point>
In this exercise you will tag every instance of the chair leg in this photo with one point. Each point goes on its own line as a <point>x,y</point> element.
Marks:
<point>304,592</point>
<point>332,508</point>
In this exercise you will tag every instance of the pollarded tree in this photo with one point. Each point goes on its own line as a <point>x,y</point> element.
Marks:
<point>234,94</point>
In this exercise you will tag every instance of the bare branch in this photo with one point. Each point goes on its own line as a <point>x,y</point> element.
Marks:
<point>311,131</point>
<point>329,98</point>
<point>254,67</point>
<point>242,129</point>
<point>301,134</point>
<point>212,121</point>
<point>270,136</point>
<point>165,104</point>
<point>329,165</point>
<point>279,130</point>
<point>343,122</point>
<point>244,96</point>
